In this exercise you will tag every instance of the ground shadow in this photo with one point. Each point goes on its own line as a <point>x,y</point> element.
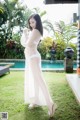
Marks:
<point>38,113</point>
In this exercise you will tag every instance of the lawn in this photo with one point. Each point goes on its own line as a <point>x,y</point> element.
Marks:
<point>12,91</point>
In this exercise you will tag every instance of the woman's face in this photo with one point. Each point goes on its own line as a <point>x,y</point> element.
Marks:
<point>32,23</point>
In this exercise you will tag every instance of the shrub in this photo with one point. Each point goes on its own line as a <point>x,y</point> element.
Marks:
<point>60,49</point>
<point>44,47</point>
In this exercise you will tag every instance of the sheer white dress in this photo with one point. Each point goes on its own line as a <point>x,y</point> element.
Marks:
<point>35,88</point>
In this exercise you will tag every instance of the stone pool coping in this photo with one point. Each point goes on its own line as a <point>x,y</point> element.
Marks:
<point>44,70</point>
<point>4,63</point>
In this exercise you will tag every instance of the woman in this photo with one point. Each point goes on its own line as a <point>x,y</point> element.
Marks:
<point>35,88</point>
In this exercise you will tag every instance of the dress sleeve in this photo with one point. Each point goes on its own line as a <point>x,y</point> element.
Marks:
<point>24,39</point>
<point>34,37</point>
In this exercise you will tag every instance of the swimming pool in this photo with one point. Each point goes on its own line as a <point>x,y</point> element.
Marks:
<point>46,64</point>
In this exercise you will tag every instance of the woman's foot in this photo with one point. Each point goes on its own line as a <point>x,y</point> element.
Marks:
<point>32,106</point>
<point>52,111</point>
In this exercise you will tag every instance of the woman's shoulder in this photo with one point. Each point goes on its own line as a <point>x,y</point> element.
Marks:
<point>36,32</point>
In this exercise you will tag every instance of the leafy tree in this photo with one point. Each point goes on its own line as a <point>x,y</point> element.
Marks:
<point>14,13</point>
<point>11,15</point>
<point>65,32</point>
<point>3,15</point>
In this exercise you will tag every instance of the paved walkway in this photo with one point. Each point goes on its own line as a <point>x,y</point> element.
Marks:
<point>74,82</point>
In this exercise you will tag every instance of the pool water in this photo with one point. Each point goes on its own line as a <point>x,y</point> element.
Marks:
<point>52,65</point>
<point>44,64</point>
<point>55,65</point>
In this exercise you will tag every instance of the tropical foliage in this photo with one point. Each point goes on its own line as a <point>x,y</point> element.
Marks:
<point>65,32</point>
<point>14,17</point>
<point>45,47</point>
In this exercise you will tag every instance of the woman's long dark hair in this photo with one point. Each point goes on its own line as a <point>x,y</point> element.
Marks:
<point>38,23</point>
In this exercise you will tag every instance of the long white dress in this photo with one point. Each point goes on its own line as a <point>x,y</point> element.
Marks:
<point>35,88</point>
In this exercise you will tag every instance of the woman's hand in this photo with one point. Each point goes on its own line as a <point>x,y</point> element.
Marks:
<point>26,30</point>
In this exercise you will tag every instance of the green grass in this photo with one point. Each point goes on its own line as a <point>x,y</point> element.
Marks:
<point>12,94</point>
